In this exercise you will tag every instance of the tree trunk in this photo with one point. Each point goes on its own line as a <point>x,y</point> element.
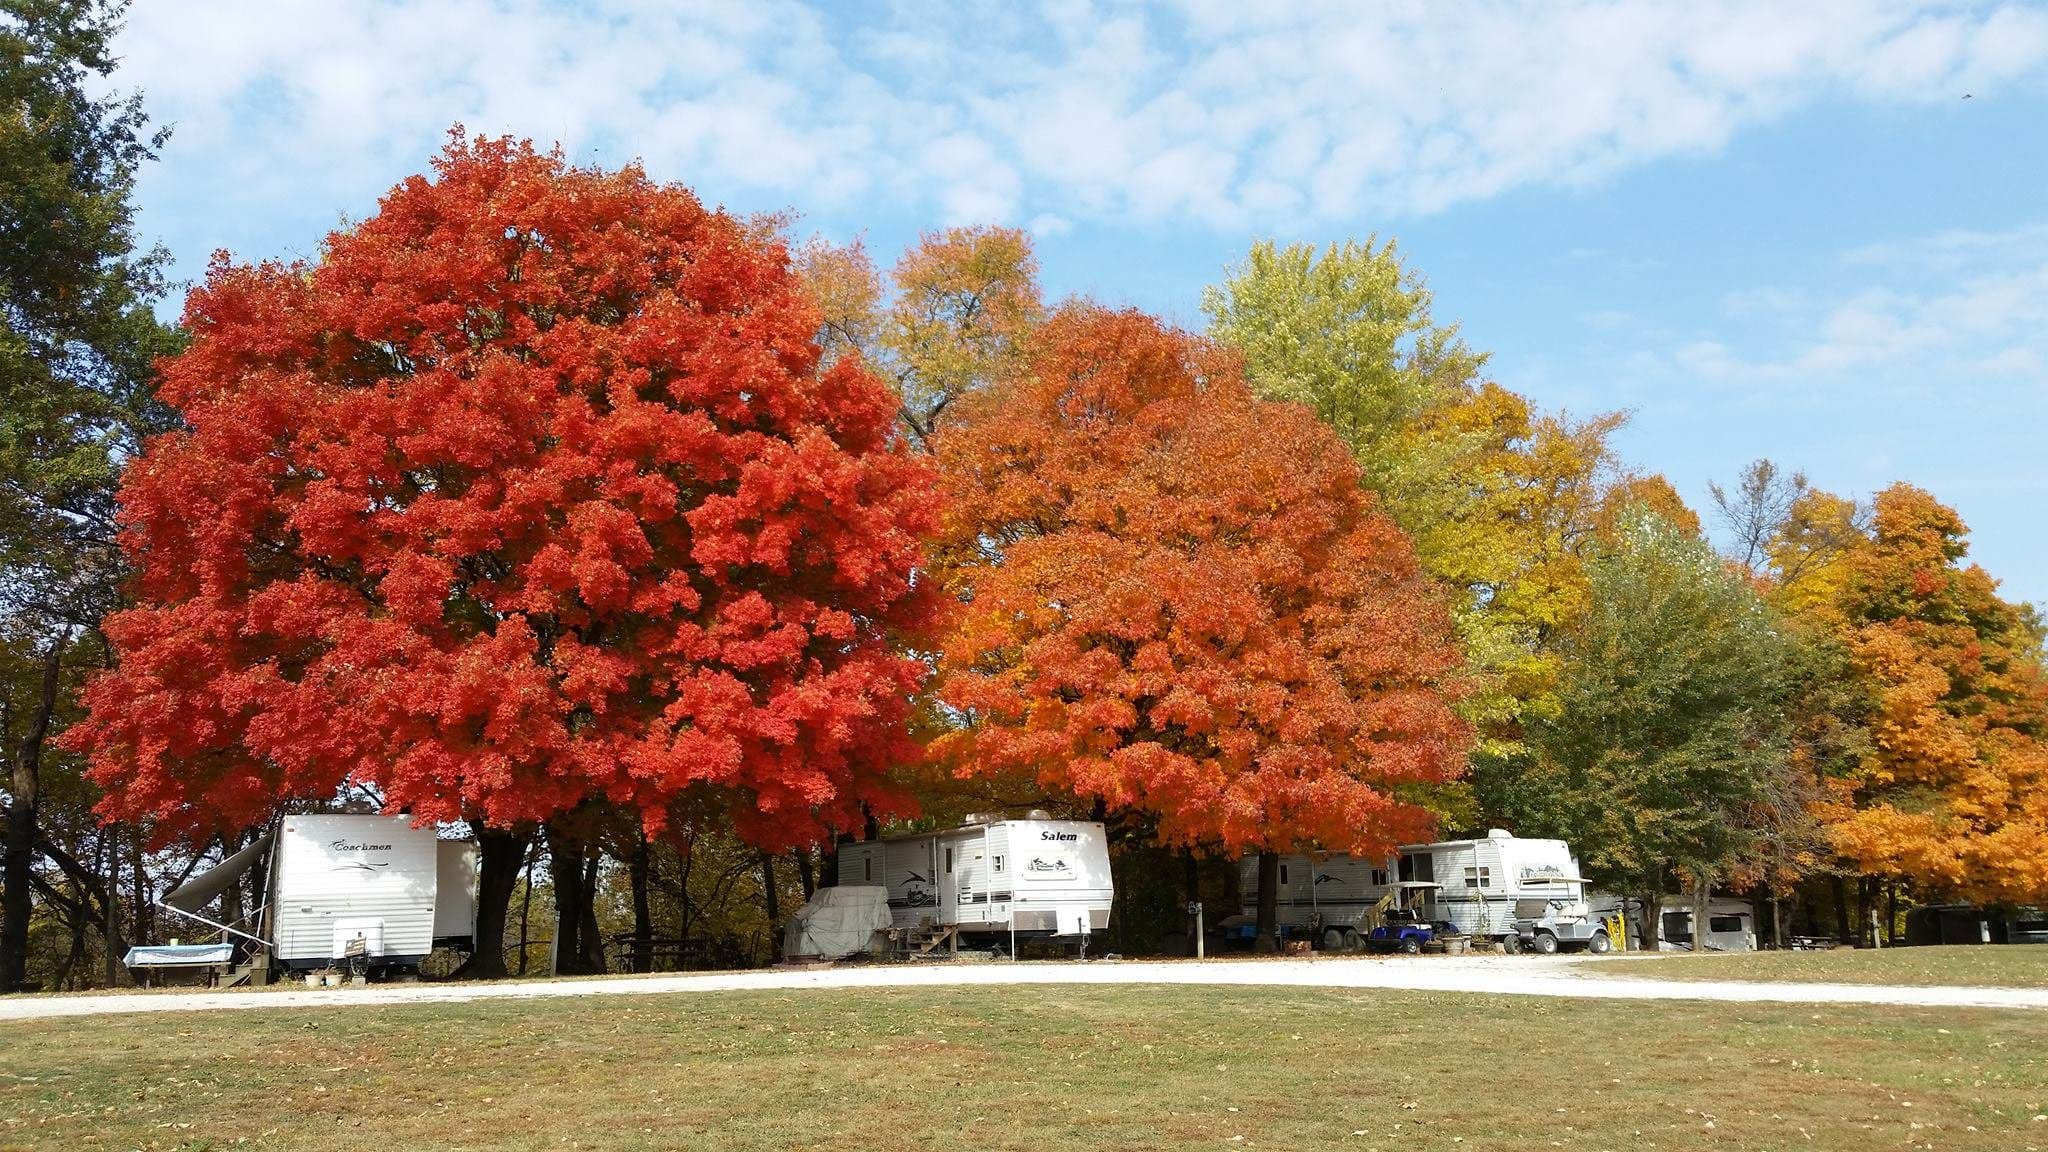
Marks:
<point>62,982</point>
<point>828,871</point>
<point>1652,920</point>
<point>771,903</point>
<point>1777,921</point>
<point>23,828</point>
<point>526,905</point>
<point>591,939</point>
<point>1841,893</point>
<point>804,874</point>
<point>110,926</point>
<point>1866,915</point>
<point>231,905</point>
<point>643,920</point>
<point>1891,912</point>
<point>565,876</point>
<point>1702,895</point>
<point>145,922</point>
<point>1269,903</point>
<point>500,855</point>
<point>1191,884</point>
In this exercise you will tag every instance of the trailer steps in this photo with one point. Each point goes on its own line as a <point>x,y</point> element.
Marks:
<point>252,972</point>
<point>950,937</point>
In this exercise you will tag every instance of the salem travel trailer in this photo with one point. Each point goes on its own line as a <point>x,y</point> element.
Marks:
<point>992,876</point>
<point>367,891</point>
<point>1500,887</point>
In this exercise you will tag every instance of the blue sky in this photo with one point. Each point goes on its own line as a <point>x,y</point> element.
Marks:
<point>1765,229</point>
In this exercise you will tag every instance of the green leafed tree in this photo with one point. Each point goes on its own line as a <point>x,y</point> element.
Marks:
<point>77,340</point>
<point>1673,730</point>
<point>1500,500</point>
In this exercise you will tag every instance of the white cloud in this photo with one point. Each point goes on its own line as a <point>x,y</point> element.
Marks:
<point>1977,333</point>
<point>1232,115</point>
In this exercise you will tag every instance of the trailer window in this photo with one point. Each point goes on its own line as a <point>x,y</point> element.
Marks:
<point>1678,927</point>
<point>949,861</point>
<point>1379,877</point>
<point>997,863</point>
<point>867,868</point>
<point>1478,877</point>
<point>1724,923</point>
<point>1283,873</point>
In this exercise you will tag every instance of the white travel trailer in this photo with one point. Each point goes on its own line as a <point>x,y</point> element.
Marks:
<point>991,876</point>
<point>1339,898</point>
<point>1731,924</point>
<point>372,892</point>
<point>1515,891</point>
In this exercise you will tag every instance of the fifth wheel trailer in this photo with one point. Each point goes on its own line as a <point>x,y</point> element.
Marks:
<point>992,876</point>
<point>372,891</point>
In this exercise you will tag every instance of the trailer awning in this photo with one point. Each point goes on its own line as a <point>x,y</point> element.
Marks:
<point>195,893</point>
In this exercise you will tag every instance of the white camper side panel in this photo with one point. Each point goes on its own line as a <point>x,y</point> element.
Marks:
<point>963,874</point>
<point>911,880</point>
<point>455,871</point>
<point>1057,863</point>
<point>1473,893</point>
<point>366,870</point>
<point>1341,890</point>
<point>861,865</point>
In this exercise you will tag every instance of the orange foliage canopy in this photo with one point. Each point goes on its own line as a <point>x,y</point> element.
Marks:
<point>530,491</point>
<point>1179,600</point>
<point>1954,793</point>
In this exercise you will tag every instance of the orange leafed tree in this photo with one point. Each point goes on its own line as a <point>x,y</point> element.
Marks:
<point>1953,793</point>
<point>1178,600</point>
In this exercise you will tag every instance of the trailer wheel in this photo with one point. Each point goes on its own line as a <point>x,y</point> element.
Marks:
<point>1600,944</point>
<point>1411,945</point>
<point>1352,941</point>
<point>1546,943</point>
<point>1333,940</point>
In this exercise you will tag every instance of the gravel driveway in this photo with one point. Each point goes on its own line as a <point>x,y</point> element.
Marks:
<point>1500,975</point>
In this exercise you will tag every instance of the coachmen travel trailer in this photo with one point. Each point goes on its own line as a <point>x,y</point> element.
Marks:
<point>369,893</point>
<point>990,878</point>
<point>1500,887</point>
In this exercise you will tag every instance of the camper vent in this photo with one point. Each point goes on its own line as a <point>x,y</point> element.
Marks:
<point>983,817</point>
<point>1499,834</point>
<point>1038,814</point>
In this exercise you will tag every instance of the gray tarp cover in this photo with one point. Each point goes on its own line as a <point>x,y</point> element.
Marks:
<point>193,894</point>
<point>837,922</point>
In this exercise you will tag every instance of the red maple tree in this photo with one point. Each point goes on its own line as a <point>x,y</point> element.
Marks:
<point>1179,600</point>
<point>529,491</point>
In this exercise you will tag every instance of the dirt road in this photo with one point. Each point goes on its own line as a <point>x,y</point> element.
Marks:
<point>1499,975</point>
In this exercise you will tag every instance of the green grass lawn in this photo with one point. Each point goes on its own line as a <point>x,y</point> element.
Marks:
<point>1991,966</point>
<point>1032,1068</point>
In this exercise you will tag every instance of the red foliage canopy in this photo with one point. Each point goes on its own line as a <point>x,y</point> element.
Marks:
<point>1179,600</point>
<point>530,490</point>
